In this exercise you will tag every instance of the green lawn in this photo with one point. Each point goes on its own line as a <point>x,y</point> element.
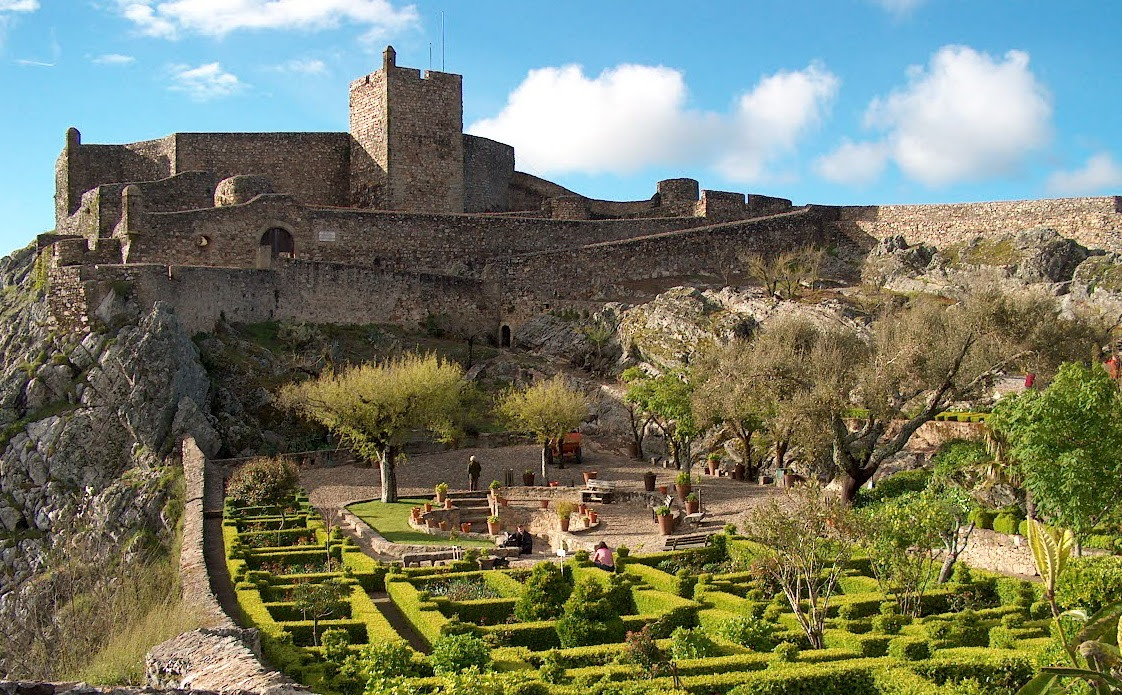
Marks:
<point>392,521</point>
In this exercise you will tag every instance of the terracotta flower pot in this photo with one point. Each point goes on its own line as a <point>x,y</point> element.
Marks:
<point>428,506</point>
<point>447,504</point>
<point>445,525</point>
<point>692,507</point>
<point>663,489</point>
<point>545,504</point>
<point>582,509</point>
<point>440,496</point>
<point>592,517</point>
<point>554,483</point>
<point>666,525</point>
<point>714,467</point>
<point>431,523</point>
<point>503,501</point>
<point>649,481</point>
<point>494,528</point>
<point>683,490</point>
<point>465,526</point>
<point>564,523</point>
<point>590,475</point>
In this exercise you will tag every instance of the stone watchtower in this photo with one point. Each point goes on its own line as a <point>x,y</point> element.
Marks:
<point>407,149</point>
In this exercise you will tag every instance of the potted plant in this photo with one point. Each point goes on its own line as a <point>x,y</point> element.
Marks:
<point>528,478</point>
<point>582,509</point>
<point>589,475</point>
<point>564,513</point>
<point>465,526</point>
<point>441,492</point>
<point>554,483</point>
<point>495,487</point>
<point>445,525</point>
<point>432,523</point>
<point>663,489</point>
<point>447,502</point>
<point>714,463</point>
<point>692,503</point>
<point>665,520</point>
<point>649,481</point>
<point>494,525</point>
<point>682,482</point>
<point>592,517</point>
<point>428,506</point>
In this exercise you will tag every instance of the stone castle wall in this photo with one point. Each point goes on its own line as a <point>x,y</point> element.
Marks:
<point>1093,222</point>
<point>488,169</point>
<point>291,291</point>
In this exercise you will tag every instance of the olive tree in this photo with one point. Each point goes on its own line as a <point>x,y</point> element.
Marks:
<point>547,409</point>
<point>666,400</point>
<point>375,408</point>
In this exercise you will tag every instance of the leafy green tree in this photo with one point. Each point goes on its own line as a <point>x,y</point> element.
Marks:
<point>809,540</point>
<point>319,600</point>
<point>666,399</point>
<point>904,368</point>
<point>728,394</point>
<point>545,594</point>
<point>1068,442</point>
<point>374,409</point>
<point>265,482</point>
<point>587,617</point>
<point>637,418</point>
<point>547,409</point>
<point>901,539</point>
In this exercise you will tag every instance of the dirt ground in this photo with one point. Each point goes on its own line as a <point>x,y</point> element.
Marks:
<point>724,500</point>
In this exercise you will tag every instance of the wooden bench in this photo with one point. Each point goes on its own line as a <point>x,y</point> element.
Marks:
<point>694,540</point>
<point>598,491</point>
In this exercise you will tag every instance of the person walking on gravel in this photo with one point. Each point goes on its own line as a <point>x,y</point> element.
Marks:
<point>474,469</point>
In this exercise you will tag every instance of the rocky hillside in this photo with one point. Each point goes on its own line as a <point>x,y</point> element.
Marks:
<point>87,423</point>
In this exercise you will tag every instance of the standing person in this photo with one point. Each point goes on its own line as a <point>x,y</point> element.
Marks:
<point>602,558</point>
<point>473,473</point>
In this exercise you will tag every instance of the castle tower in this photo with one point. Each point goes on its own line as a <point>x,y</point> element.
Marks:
<point>407,150</point>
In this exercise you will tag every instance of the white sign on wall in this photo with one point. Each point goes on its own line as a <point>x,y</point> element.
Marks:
<point>327,235</point>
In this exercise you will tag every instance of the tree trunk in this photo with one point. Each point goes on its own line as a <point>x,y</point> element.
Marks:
<point>750,471</point>
<point>947,568</point>
<point>389,475</point>
<point>853,481</point>
<point>781,452</point>
<point>547,458</point>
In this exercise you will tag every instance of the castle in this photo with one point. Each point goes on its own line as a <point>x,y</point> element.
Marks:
<point>405,218</point>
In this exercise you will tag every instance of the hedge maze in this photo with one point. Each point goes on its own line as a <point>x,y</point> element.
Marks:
<point>697,620</point>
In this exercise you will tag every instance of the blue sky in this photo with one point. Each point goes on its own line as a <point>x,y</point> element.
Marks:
<point>831,101</point>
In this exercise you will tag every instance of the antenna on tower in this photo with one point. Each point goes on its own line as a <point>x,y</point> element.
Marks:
<point>430,56</point>
<point>442,66</point>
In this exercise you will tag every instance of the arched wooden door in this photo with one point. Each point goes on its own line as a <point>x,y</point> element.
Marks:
<point>279,242</point>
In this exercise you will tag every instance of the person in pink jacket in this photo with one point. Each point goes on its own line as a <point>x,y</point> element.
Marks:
<point>602,558</point>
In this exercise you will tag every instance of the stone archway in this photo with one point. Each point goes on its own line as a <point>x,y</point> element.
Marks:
<point>279,242</point>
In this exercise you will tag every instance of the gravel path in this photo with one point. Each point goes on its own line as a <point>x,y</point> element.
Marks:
<point>630,524</point>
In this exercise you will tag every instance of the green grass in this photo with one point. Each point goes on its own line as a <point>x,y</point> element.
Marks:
<point>392,521</point>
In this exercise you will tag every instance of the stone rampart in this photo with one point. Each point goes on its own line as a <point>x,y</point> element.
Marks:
<point>81,168</point>
<point>1093,222</point>
<point>488,168</point>
<point>291,291</point>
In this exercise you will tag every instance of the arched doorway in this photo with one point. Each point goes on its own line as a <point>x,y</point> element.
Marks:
<point>504,337</point>
<point>279,242</point>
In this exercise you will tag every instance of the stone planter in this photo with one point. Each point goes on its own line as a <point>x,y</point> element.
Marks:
<point>649,481</point>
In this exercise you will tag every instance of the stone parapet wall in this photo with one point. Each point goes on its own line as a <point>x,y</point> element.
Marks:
<point>488,168</point>
<point>292,291</point>
<point>1093,222</point>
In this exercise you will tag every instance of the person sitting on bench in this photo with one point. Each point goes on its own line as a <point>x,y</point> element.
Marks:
<point>520,539</point>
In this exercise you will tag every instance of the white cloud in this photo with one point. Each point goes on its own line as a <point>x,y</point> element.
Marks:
<point>1100,174</point>
<point>302,66</point>
<point>965,116</point>
<point>19,5</point>
<point>170,18</point>
<point>633,116</point>
<point>29,63</point>
<point>204,82</point>
<point>113,59</point>
<point>853,163</point>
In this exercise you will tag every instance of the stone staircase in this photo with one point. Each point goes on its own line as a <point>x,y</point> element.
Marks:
<point>474,507</point>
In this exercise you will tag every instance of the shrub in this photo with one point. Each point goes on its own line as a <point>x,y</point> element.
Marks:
<point>894,486</point>
<point>587,618</point>
<point>773,611</point>
<point>1002,638</point>
<point>335,642</point>
<point>545,594</point>
<point>456,653</point>
<point>748,632</point>
<point>1090,583</point>
<point>1013,620</point>
<point>1013,592</point>
<point>268,482</point>
<point>889,623</point>
<point>983,518</point>
<point>785,652</point>
<point>387,659</point>
<point>684,583</point>
<point>1006,523</point>
<point>691,643</point>
<point>909,648</point>
<point>848,611</point>
<point>640,649</point>
<point>1040,610</point>
<point>551,670</point>
<point>962,574</point>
